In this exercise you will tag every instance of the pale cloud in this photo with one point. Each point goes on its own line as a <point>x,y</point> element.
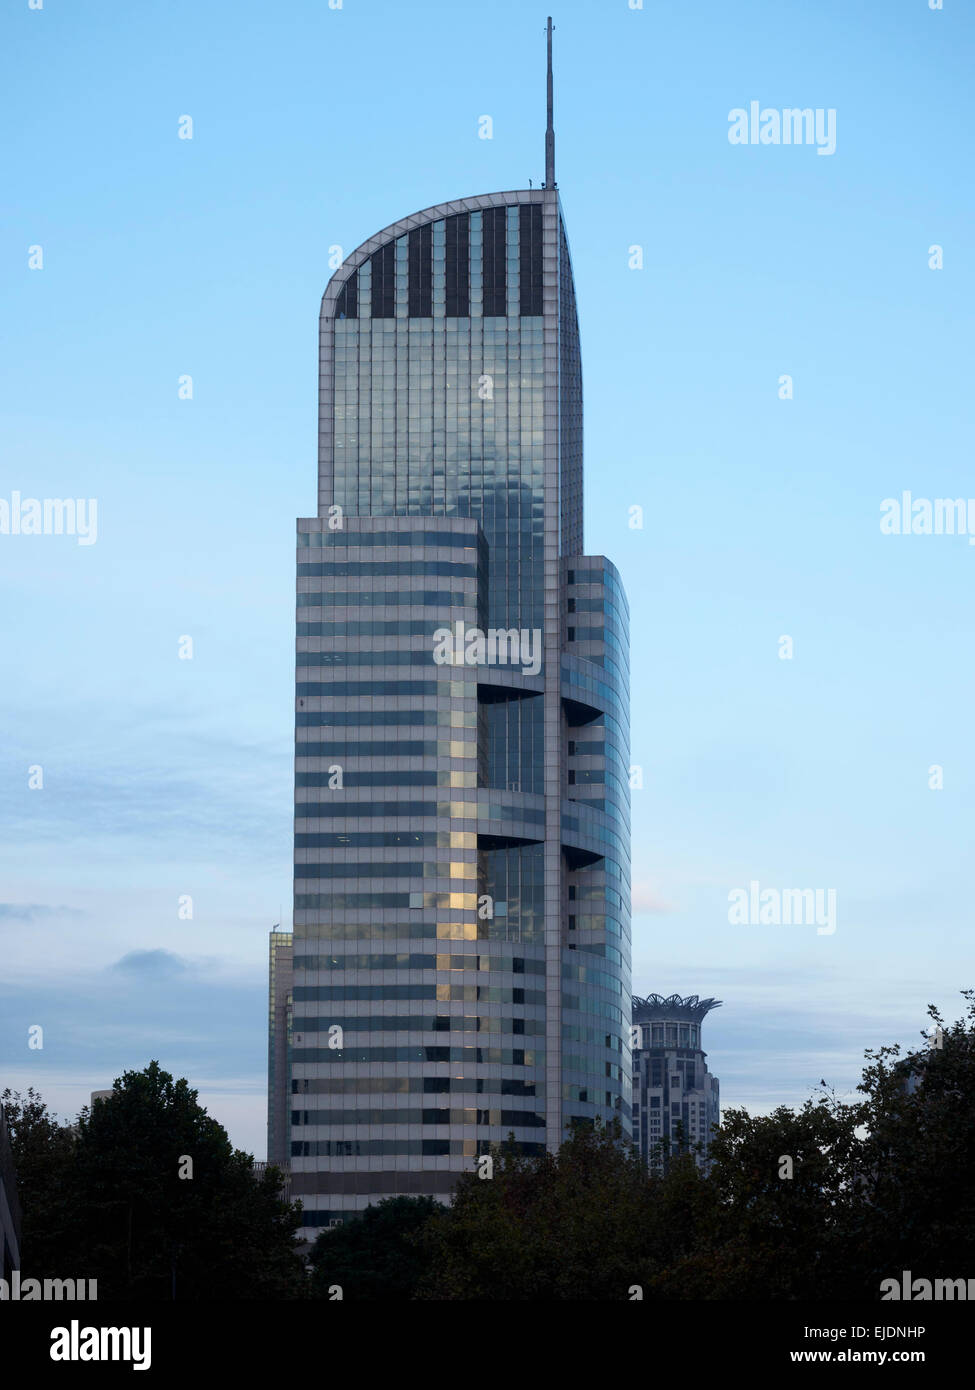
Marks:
<point>35,912</point>
<point>646,898</point>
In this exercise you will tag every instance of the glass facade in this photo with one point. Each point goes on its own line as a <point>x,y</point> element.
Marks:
<point>461,757</point>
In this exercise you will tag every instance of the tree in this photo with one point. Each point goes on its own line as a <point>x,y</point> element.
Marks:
<point>157,1204</point>
<point>919,1156</point>
<point>42,1150</point>
<point>374,1255</point>
<point>780,1193</point>
<point>549,1226</point>
<point>147,1195</point>
<point>822,1202</point>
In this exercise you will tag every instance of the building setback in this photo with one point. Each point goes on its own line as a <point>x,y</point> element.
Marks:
<point>675,1097</point>
<point>461,941</point>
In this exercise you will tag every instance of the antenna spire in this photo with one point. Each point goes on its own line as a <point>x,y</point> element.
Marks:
<point>550,128</point>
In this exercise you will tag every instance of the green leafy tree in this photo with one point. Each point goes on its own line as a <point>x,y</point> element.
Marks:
<point>919,1156</point>
<point>157,1204</point>
<point>374,1255</point>
<point>42,1150</point>
<point>550,1226</point>
<point>780,1193</point>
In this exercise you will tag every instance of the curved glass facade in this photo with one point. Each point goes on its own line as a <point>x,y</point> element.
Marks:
<point>461,915</point>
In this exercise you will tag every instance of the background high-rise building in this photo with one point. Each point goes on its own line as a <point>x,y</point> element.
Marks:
<point>672,1086</point>
<point>278,1045</point>
<point>461,947</point>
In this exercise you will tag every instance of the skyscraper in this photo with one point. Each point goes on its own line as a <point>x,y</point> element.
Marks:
<point>280,993</point>
<point>461,951</point>
<point>675,1097</point>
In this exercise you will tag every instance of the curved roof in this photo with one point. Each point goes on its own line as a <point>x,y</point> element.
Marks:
<point>419,219</point>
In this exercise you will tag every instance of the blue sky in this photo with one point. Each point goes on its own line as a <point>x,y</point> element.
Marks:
<point>313,128</point>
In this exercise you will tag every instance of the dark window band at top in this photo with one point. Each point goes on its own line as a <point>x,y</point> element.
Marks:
<point>495,251</point>
<point>384,282</point>
<point>530,258</point>
<point>457,260</point>
<point>420,262</point>
<point>347,306</point>
<point>457,266</point>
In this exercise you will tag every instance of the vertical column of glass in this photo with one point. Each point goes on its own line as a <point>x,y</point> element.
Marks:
<point>438,366</point>
<point>550,585</point>
<point>470,345</point>
<point>493,464</point>
<point>395,487</point>
<point>454,378</point>
<point>521,542</point>
<point>380,366</point>
<point>362,367</point>
<point>513,266</point>
<point>467,463</point>
<point>477,264</point>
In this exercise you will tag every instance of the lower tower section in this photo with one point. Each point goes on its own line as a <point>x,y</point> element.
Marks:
<point>418,972</point>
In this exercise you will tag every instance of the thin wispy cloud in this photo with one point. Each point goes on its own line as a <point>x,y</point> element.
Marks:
<point>36,912</point>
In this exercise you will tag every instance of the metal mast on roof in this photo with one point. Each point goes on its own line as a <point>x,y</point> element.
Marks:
<point>550,128</point>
